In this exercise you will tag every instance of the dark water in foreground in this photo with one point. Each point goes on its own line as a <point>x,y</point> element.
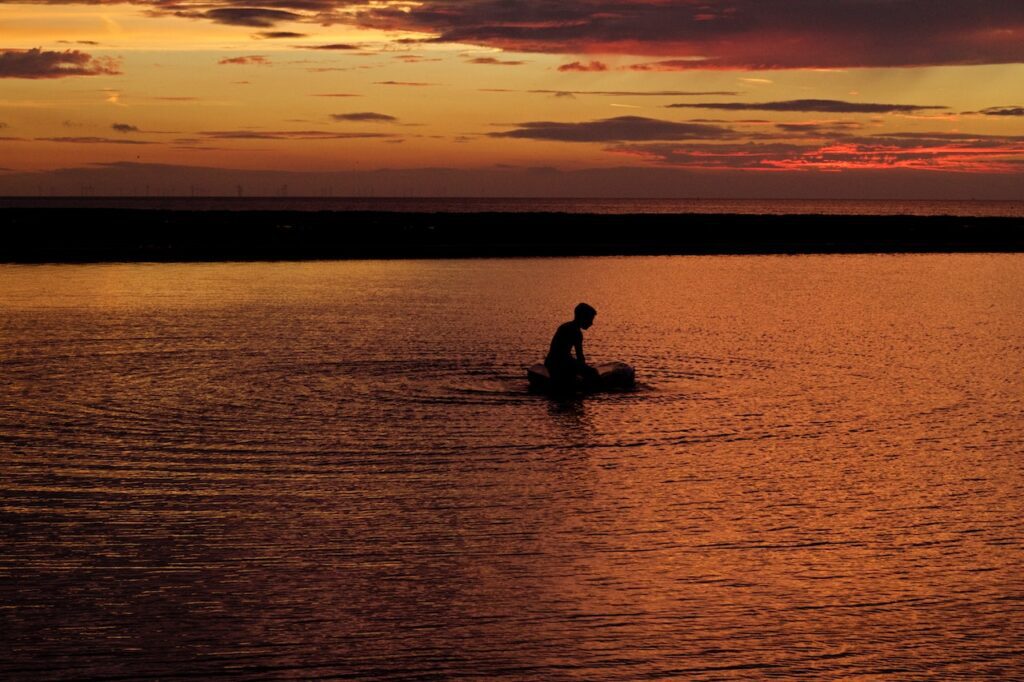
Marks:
<point>334,470</point>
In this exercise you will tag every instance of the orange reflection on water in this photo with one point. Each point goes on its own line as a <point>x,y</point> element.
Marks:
<point>336,469</point>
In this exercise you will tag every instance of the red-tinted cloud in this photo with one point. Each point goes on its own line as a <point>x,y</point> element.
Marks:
<point>917,151</point>
<point>731,34</point>
<point>686,34</point>
<point>36,63</point>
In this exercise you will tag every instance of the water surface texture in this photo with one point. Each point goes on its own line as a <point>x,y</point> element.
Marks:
<point>330,470</point>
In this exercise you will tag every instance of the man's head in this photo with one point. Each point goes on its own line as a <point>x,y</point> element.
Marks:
<point>584,315</point>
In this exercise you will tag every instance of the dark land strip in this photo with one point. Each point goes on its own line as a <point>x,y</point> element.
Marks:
<point>81,235</point>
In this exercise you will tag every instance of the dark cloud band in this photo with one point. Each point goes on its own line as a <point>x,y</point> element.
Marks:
<point>732,34</point>
<point>248,16</point>
<point>38,64</point>
<point>365,117</point>
<point>711,34</point>
<point>623,128</point>
<point>1003,111</point>
<point>832,106</point>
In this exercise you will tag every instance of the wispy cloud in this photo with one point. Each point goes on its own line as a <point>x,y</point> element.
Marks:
<point>274,35</point>
<point>124,128</point>
<point>415,58</point>
<point>495,62</point>
<point>820,128</point>
<point>365,117</point>
<point>635,93</point>
<point>584,66</point>
<point>342,47</point>
<point>811,105</point>
<point>286,135</point>
<point>91,140</point>
<point>975,138</point>
<point>1003,111</point>
<point>252,59</point>
<point>407,84</point>
<point>669,65</point>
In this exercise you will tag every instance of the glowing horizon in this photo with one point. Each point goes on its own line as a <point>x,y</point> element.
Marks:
<point>323,86</point>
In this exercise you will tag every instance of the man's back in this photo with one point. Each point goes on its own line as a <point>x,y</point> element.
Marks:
<point>565,339</point>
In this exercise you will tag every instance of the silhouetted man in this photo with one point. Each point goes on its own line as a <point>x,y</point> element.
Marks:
<point>560,362</point>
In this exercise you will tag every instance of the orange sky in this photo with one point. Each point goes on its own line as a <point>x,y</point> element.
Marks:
<point>315,86</point>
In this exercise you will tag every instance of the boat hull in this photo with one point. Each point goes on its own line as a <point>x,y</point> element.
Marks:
<point>611,376</point>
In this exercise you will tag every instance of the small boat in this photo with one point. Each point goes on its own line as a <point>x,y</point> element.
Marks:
<point>611,376</point>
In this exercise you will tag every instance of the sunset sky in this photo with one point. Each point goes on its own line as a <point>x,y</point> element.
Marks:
<point>898,98</point>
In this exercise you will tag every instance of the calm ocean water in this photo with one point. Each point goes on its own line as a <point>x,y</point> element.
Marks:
<point>1008,209</point>
<point>334,470</point>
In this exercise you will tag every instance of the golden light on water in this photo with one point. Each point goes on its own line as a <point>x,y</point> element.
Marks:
<point>335,468</point>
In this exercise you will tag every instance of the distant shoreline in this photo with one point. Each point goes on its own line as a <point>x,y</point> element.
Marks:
<point>578,205</point>
<point>83,235</point>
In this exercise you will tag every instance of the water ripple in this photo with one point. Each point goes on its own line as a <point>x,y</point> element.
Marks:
<point>336,470</point>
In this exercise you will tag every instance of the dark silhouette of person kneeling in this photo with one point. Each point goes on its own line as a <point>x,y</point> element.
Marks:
<point>561,365</point>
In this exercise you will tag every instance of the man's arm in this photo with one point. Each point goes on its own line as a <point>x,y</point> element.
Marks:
<point>581,359</point>
<point>586,371</point>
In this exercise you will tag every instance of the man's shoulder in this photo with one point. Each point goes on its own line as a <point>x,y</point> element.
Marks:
<point>570,330</point>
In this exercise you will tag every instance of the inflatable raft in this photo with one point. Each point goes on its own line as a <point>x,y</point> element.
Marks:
<point>611,376</point>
